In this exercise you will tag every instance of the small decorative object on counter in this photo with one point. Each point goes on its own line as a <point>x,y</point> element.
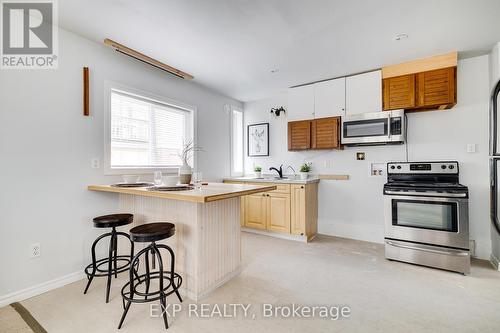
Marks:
<point>258,171</point>
<point>197,180</point>
<point>304,170</point>
<point>185,155</point>
<point>158,178</point>
<point>131,179</point>
<point>277,111</point>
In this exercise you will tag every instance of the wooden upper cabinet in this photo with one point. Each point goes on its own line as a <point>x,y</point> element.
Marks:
<point>437,88</point>
<point>399,92</point>
<point>325,133</point>
<point>422,84</point>
<point>299,135</point>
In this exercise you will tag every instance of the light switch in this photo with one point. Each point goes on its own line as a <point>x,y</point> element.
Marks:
<point>95,163</point>
<point>471,147</point>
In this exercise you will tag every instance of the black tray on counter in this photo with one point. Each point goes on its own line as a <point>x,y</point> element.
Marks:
<point>132,185</point>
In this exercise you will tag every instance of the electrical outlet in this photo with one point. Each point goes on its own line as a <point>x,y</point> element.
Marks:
<point>377,169</point>
<point>36,250</point>
<point>471,147</point>
<point>95,163</point>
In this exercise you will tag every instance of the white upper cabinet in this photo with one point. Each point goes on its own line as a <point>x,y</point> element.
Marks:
<point>364,93</point>
<point>300,103</point>
<point>329,98</point>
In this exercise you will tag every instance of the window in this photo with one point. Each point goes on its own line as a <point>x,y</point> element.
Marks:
<point>236,142</point>
<point>145,132</point>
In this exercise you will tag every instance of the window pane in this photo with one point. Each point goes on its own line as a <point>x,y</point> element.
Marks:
<point>237,144</point>
<point>145,134</point>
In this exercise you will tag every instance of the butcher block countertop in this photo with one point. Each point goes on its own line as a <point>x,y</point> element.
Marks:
<point>208,193</point>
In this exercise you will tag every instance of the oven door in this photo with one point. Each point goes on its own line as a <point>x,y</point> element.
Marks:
<point>427,219</point>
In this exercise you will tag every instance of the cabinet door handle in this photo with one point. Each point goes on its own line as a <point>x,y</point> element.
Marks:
<point>302,187</point>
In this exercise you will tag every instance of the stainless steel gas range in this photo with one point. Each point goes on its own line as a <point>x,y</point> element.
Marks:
<point>427,215</point>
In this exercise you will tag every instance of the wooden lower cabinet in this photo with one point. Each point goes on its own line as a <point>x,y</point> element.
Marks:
<point>298,216</point>
<point>278,212</point>
<point>290,209</point>
<point>255,211</point>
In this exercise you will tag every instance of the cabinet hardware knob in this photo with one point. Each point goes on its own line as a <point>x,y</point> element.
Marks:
<point>302,187</point>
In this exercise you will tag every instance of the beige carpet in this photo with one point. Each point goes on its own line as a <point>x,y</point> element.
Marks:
<point>15,318</point>
<point>384,296</point>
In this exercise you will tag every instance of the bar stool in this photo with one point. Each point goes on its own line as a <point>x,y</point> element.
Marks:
<point>94,269</point>
<point>169,281</point>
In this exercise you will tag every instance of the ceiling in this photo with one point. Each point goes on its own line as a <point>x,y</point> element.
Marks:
<point>232,45</point>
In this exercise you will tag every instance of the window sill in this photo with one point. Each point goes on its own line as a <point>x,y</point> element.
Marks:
<point>139,171</point>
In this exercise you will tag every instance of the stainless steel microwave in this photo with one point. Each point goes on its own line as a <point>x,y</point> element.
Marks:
<point>374,128</point>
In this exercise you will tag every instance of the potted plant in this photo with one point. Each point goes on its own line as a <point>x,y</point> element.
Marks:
<point>258,171</point>
<point>304,170</point>
<point>185,171</point>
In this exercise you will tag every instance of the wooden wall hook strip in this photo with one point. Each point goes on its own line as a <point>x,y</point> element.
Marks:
<point>86,111</point>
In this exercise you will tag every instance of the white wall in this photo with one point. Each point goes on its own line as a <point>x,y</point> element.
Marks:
<point>354,208</point>
<point>46,146</point>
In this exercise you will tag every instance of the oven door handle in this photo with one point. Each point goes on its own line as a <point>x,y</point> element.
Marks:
<point>428,194</point>
<point>450,253</point>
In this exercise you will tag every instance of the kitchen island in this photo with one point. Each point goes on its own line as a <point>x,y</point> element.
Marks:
<point>207,242</point>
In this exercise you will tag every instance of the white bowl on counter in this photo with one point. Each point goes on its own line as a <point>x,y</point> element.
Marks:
<point>131,179</point>
<point>170,180</point>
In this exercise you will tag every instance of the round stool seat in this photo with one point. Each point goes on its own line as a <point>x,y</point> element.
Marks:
<point>151,232</point>
<point>113,220</point>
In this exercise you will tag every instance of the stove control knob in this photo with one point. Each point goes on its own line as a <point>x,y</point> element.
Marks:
<point>443,166</point>
<point>399,167</point>
<point>393,167</point>
<point>451,166</point>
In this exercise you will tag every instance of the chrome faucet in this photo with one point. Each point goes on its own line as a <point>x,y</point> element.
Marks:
<point>291,167</point>
<point>279,171</point>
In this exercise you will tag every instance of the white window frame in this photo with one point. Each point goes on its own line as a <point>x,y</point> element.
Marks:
<point>234,173</point>
<point>109,86</point>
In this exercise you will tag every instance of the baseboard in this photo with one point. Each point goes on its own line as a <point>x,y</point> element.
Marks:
<point>41,288</point>
<point>495,262</point>
<point>276,234</point>
<point>373,233</point>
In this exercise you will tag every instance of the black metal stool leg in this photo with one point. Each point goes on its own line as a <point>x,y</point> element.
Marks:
<point>131,278</point>
<point>110,263</point>
<point>147,277</point>
<point>90,276</point>
<point>124,314</point>
<point>163,298</point>
<point>153,259</point>
<point>115,250</point>
<point>94,267</point>
<point>172,269</point>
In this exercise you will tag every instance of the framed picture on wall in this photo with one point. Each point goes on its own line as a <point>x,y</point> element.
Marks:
<point>258,139</point>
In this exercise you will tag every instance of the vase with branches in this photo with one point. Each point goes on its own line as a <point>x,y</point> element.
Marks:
<point>186,154</point>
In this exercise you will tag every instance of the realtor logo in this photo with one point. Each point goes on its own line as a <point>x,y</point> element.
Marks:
<point>29,34</point>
